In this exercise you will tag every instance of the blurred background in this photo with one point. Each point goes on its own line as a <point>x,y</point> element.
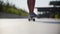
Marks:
<point>19,9</point>
<point>9,10</point>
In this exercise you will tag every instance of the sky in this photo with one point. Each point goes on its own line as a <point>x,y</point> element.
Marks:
<point>23,4</point>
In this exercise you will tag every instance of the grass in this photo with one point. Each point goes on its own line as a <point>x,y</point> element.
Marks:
<point>13,10</point>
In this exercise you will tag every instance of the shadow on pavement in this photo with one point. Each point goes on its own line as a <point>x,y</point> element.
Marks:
<point>47,22</point>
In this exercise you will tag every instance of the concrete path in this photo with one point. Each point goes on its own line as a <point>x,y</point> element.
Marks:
<point>23,26</point>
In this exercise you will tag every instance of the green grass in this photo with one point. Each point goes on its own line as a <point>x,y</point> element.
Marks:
<point>13,10</point>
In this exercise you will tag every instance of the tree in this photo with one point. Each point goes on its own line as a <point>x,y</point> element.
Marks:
<point>1,7</point>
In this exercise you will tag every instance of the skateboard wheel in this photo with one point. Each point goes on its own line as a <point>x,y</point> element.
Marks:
<point>29,19</point>
<point>33,19</point>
